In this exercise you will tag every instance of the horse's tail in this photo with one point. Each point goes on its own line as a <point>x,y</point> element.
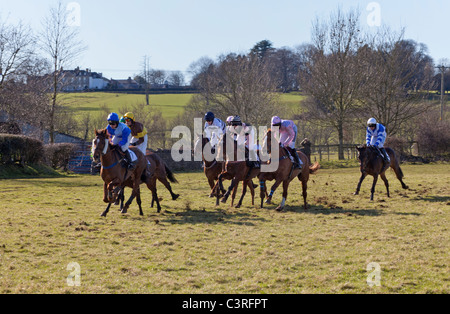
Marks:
<point>314,168</point>
<point>170,175</point>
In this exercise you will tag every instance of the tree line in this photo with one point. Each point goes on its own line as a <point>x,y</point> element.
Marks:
<point>347,73</point>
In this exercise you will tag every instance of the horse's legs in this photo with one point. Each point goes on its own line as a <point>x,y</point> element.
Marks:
<point>252,191</point>
<point>272,191</point>
<point>386,182</point>
<point>244,191</point>
<point>285,194</point>
<point>106,211</point>
<point>375,180</point>
<point>138,200</point>
<point>155,197</point>
<point>227,195</point>
<point>211,184</point>
<point>305,194</point>
<point>166,183</point>
<point>358,188</point>
<point>262,191</point>
<point>233,197</point>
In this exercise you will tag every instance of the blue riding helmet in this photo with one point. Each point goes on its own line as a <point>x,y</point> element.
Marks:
<point>114,117</point>
<point>209,117</point>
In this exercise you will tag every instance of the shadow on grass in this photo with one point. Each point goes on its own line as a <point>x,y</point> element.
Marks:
<point>212,217</point>
<point>334,210</point>
<point>433,199</point>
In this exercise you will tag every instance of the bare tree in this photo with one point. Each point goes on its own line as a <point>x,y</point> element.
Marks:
<point>400,74</point>
<point>59,41</point>
<point>146,76</point>
<point>16,47</point>
<point>241,85</point>
<point>331,72</point>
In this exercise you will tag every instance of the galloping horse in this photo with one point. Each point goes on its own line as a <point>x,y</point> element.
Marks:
<point>285,173</point>
<point>156,170</point>
<point>115,176</point>
<point>236,171</point>
<point>372,163</point>
<point>212,169</point>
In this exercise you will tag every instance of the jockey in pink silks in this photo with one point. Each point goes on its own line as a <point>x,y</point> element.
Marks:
<point>288,137</point>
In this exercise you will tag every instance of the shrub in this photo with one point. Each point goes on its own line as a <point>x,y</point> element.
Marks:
<point>18,148</point>
<point>433,135</point>
<point>57,155</point>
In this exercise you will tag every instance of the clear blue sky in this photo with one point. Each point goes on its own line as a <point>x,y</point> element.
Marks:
<point>175,33</point>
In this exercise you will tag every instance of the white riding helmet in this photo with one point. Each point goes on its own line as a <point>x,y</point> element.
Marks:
<point>372,121</point>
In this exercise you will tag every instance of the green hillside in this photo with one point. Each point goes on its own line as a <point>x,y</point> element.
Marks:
<point>169,104</point>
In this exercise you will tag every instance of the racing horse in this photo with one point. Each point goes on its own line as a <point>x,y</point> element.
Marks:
<point>285,173</point>
<point>234,170</point>
<point>372,163</point>
<point>212,169</point>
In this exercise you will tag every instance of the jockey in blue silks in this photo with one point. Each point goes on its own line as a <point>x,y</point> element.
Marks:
<point>120,134</point>
<point>376,137</point>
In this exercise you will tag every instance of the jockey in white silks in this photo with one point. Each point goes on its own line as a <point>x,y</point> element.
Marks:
<point>214,129</point>
<point>376,137</point>
<point>245,136</point>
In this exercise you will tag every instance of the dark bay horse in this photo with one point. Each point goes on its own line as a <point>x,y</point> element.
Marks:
<point>285,173</point>
<point>372,163</point>
<point>235,170</point>
<point>212,169</point>
<point>115,176</point>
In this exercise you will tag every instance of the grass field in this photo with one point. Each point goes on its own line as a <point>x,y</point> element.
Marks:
<point>193,247</point>
<point>170,104</point>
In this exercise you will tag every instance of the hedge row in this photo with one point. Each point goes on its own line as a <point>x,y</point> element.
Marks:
<point>25,150</point>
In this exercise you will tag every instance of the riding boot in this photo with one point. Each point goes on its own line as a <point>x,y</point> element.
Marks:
<point>128,159</point>
<point>297,161</point>
<point>385,156</point>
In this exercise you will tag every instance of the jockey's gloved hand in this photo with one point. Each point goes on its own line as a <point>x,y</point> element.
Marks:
<point>133,144</point>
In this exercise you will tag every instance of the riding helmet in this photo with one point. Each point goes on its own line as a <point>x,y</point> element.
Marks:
<point>209,117</point>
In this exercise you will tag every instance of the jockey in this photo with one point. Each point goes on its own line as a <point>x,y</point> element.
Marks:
<point>214,128</point>
<point>245,135</point>
<point>376,137</point>
<point>138,132</point>
<point>120,134</point>
<point>288,137</point>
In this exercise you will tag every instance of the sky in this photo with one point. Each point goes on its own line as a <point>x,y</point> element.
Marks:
<point>176,33</point>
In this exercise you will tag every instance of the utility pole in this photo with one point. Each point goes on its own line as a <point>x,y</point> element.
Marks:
<point>442,68</point>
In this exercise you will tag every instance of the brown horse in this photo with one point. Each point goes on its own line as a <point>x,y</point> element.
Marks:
<point>285,173</point>
<point>115,176</point>
<point>212,169</point>
<point>156,170</point>
<point>372,163</point>
<point>236,171</point>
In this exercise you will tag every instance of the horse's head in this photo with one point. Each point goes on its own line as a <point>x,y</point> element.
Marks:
<point>365,155</point>
<point>100,144</point>
<point>268,139</point>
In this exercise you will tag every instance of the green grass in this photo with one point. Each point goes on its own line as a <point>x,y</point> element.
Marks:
<point>193,247</point>
<point>28,171</point>
<point>170,104</point>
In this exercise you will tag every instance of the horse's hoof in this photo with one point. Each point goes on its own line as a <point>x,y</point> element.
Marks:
<point>279,209</point>
<point>268,202</point>
<point>175,197</point>
<point>124,211</point>
<point>237,206</point>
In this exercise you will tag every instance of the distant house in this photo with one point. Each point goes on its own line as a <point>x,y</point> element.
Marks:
<point>128,84</point>
<point>78,80</point>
